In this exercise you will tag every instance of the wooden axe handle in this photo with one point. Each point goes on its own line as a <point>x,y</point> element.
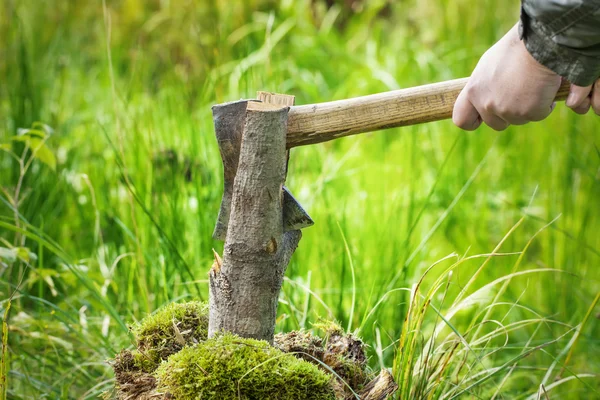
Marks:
<point>316,123</point>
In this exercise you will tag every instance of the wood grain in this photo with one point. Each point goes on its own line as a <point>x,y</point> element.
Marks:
<point>321,122</point>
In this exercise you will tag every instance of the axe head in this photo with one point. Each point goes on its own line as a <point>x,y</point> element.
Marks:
<point>229,120</point>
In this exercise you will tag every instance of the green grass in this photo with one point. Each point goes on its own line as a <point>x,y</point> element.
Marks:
<point>123,225</point>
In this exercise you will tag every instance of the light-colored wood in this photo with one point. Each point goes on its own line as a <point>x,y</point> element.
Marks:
<point>257,106</point>
<point>321,122</point>
<point>276,98</point>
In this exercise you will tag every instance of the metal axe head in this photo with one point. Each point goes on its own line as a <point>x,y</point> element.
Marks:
<point>229,119</point>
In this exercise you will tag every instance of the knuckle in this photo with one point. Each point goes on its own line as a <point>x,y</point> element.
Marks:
<point>470,91</point>
<point>489,107</point>
<point>518,115</point>
<point>502,110</point>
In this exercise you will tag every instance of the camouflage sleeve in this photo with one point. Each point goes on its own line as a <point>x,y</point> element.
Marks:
<point>564,35</point>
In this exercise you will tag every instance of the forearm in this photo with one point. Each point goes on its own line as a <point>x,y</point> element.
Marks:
<point>564,36</point>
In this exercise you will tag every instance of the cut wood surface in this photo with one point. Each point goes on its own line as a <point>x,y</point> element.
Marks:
<point>275,98</point>
<point>321,122</point>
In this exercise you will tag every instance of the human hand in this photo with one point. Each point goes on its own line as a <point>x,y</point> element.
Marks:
<point>582,98</point>
<point>509,87</point>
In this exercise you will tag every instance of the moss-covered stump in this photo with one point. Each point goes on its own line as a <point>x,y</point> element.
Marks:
<point>171,329</point>
<point>340,352</point>
<point>230,367</point>
<point>158,336</point>
<point>175,360</point>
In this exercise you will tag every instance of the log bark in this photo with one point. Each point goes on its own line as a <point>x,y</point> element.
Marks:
<point>244,288</point>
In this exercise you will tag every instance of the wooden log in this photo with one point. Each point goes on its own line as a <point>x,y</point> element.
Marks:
<point>321,122</point>
<point>244,288</point>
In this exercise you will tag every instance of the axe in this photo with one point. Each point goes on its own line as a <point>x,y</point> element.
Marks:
<point>321,122</point>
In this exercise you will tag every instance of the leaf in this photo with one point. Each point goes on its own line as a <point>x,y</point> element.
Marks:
<point>46,128</point>
<point>45,155</point>
<point>23,138</point>
<point>31,132</point>
<point>39,148</point>
<point>5,146</point>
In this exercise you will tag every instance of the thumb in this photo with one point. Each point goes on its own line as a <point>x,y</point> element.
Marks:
<point>579,99</point>
<point>465,115</point>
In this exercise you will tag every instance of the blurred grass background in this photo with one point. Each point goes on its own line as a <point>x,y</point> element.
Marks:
<point>123,224</point>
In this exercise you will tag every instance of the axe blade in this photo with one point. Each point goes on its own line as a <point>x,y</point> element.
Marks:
<point>229,120</point>
<point>294,215</point>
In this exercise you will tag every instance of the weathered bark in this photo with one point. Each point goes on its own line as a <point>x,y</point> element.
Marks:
<point>244,289</point>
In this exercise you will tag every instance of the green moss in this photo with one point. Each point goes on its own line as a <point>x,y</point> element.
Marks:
<point>329,327</point>
<point>132,361</point>
<point>230,367</point>
<point>341,352</point>
<point>170,329</point>
<point>143,362</point>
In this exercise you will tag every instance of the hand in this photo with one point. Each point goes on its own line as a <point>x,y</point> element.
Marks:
<point>508,86</point>
<point>582,98</point>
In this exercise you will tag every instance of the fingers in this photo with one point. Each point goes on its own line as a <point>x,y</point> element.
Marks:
<point>540,113</point>
<point>465,115</point>
<point>583,107</point>
<point>579,99</point>
<point>596,97</point>
<point>469,117</point>
<point>494,121</point>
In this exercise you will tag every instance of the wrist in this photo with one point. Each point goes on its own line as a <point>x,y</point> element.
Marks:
<point>563,61</point>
